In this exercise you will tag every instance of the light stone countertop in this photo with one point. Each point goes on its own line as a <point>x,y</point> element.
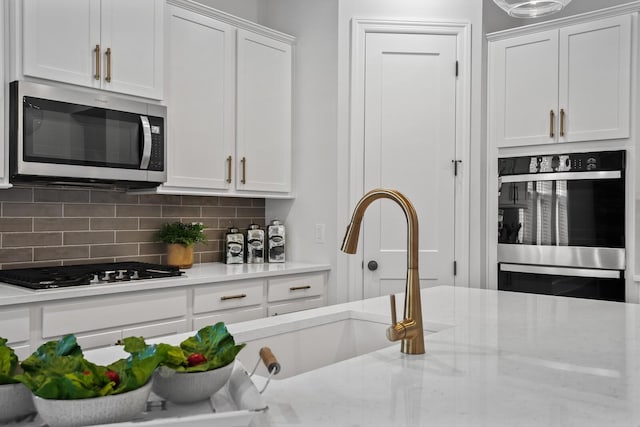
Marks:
<point>507,359</point>
<point>214,273</point>
<point>499,359</point>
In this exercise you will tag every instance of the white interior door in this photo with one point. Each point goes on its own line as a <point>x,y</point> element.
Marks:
<point>409,145</point>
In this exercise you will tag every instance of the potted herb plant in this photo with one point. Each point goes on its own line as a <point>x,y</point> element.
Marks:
<point>180,238</point>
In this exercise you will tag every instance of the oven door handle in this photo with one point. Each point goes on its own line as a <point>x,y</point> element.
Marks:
<point>146,143</point>
<point>562,176</point>
<point>561,271</point>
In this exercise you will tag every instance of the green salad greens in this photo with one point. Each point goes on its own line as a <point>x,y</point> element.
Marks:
<point>210,348</point>
<point>8,363</point>
<point>58,370</point>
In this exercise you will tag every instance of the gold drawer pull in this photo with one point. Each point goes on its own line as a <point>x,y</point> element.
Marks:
<point>561,122</point>
<point>108,53</point>
<point>552,119</point>
<point>229,159</point>
<point>299,288</point>
<point>239,296</point>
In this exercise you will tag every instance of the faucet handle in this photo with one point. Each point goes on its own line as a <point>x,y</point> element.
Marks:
<point>392,299</point>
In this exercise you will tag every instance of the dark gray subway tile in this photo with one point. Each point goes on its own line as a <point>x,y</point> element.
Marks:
<point>32,264</point>
<point>235,201</point>
<point>60,195</point>
<point>180,211</point>
<point>89,210</point>
<point>135,236</point>
<point>218,212</point>
<point>60,252</point>
<point>258,203</point>
<point>152,223</point>
<point>16,255</point>
<point>98,251</point>
<point>160,199</point>
<point>16,224</point>
<point>250,212</point>
<point>241,223</point>
<point>114,223</point>
<point>211,257</point>
<point>200,200</point>
<point>60,224</point>
<point>24,240</point>
<point>36,210</point>
<point>16,194</point>
<point>88,237</point>
<point>99,196</point>
<point>138,211</point>
<point>153,249</point>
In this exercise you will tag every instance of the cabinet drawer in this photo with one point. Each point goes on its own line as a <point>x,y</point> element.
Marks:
<point>290,307</point>
<point>228,317</point>
<point>110,312</point>
<point>157,329</point>
<point>14,325</point>
<point>296,287</point>
<point>22,351</point>
<point>225,297</point>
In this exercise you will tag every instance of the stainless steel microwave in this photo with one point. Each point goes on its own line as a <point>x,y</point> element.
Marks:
<point>62,135</point>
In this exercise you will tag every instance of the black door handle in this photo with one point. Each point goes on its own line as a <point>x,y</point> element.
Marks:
<point>372,265</point>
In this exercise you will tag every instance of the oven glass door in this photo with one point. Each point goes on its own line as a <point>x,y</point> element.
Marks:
<point>585,212</point>
<point>72,134</point>
<point>606,285</point>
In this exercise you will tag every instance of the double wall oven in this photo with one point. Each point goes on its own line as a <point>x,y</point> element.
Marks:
<point>561,225</point>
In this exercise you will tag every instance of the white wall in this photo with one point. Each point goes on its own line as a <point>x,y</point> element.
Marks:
<point>247,9</point>
<point>314,23</point>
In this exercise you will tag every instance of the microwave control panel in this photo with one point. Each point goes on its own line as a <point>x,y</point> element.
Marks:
<point>156,162</point>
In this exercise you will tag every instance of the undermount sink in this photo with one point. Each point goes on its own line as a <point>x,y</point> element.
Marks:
<point>303,346</point>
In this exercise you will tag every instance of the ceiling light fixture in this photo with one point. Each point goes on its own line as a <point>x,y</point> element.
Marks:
<point>531,8</point>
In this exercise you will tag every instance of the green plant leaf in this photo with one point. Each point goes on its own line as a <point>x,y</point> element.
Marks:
<point>8,363</point>
<point>184,234</point>
<point>215,343</point>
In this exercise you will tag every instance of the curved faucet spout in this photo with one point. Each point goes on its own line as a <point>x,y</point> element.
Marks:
<point>408,330</point>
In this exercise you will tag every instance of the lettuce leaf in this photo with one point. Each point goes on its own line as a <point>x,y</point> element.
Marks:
<point>8,363</point>
<point>214,342</point>
<point>58,370</point>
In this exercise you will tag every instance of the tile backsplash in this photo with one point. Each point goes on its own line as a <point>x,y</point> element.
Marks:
<point>41,226</point>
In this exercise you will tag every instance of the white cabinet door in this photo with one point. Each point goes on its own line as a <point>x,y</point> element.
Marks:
<point>264,113</point>
<point>132,36</point>
<point>595,80</point>
<point>524,89</point>
<point>108,44</point>
<point>59,38</point>
<point>201,99</point>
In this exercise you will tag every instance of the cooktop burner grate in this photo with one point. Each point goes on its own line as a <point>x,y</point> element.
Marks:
<point>86,274</point>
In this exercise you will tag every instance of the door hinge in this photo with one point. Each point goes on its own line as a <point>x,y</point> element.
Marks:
<point>455,166</point>
<point>457,66</point>
<point>455,268</point>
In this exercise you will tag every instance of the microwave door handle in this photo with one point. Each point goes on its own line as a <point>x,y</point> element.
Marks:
<point>562,176</point>
<point>146,142</point>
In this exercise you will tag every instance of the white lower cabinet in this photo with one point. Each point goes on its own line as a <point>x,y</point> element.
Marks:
<point>229,304</point>
<point>15,327</point>
<point>296,293</point>
<point>100,321</point>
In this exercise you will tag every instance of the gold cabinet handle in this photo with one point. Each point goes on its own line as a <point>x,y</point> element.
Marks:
<point>561,122</point>
<point>229,165</point>
<point>97,53</point>
<point>299,288</point>
<point>243,161</point>
<point>108,53</point>
<point>228,297</point>
<point>552,119</point>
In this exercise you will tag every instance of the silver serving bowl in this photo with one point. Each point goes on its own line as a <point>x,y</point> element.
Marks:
<point>189,387</point>
<point>97,410</point>
<point>15,402</point>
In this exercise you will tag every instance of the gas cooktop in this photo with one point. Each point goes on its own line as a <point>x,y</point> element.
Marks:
<point>86,274</point>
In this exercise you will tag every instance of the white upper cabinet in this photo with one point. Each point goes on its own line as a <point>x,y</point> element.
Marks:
<point>201,101</point>
<point>114,45</point>
<point>561,85</point>
<point>264,113</point>
<point>229,105</point>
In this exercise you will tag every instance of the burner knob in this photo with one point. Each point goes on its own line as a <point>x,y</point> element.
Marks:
<point>107,276</point>
<point>122,275</point>
<point>133,275</point>
<point>95,278</point>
